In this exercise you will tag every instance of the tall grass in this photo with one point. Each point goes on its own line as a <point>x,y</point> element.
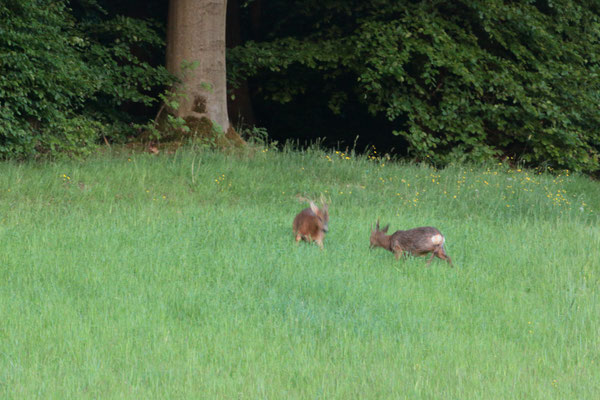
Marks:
<point>176,276</point>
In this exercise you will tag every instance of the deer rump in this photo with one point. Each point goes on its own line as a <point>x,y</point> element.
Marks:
<point>308,225</point>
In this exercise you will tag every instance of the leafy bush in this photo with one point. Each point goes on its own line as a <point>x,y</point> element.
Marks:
<point>465,80</point>
<point>64,78</point>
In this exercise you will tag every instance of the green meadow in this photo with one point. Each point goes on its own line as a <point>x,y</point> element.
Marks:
<point>177,276</point>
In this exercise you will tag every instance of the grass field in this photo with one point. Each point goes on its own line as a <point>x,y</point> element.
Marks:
<point>176,276</point>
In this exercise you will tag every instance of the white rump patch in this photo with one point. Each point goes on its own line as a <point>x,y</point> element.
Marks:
<point>437,239</point>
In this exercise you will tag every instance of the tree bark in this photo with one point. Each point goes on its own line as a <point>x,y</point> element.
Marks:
<point>196,34</point>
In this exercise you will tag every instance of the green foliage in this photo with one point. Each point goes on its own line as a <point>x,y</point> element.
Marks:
<point>64,78</point>
<point>464,80</point>
<point>165,123</point>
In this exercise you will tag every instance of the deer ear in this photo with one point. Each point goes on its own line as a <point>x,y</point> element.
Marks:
<point>314,207</point>
<point>377,225</point>
<point>384,230</point>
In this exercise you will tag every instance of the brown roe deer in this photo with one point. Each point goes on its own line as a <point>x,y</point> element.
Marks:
<point>312,223</point>
<point>417,241</point>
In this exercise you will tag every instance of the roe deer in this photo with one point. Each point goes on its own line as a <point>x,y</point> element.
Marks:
<point>312,223</point>
<point>417,241</point>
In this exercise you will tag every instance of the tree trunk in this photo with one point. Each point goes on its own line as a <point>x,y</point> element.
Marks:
<point>196,36</point>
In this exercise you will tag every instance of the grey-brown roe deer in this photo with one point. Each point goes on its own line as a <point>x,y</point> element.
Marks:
<point>417,241</point>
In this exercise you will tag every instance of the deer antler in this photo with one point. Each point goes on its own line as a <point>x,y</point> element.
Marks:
<point>312,204</point>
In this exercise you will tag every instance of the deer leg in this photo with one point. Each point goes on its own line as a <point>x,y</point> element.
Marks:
<point>319,241</point>
<point>397,251</point>
<point>441,254</point>
<point>430,259</point>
